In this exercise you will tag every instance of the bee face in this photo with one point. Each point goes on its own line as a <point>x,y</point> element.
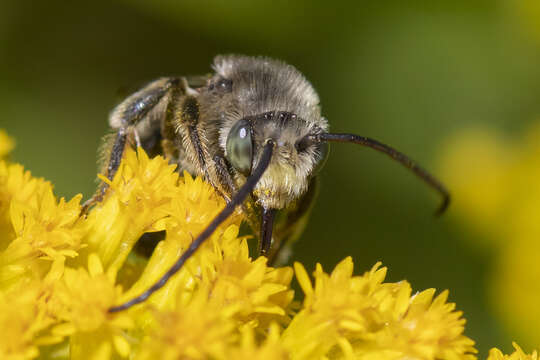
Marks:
<point>294,160</point>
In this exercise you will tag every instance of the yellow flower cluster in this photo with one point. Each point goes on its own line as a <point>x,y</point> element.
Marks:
<point>495,183</point>
<point>61,271</point>
<point>356,317</point>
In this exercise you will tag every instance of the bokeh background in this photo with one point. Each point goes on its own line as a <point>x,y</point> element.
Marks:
<point>413,74</point>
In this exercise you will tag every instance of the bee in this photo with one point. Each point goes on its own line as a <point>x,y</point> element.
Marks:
<point>254,130</point>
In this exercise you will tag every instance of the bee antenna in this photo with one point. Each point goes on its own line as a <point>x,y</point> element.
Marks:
<point>397,156</point>
<point>237,199</point>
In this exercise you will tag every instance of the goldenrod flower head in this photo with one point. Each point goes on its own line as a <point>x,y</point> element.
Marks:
<point>248,349</point>
<point>35,226</point>
<point>138,197</point>
<point>197,330</point>
<point>23,320</point>
<point>362,317</point>
<point>84,296</point>
<point>61,271</point>
<point>19,186</point>
<point>200,330</point>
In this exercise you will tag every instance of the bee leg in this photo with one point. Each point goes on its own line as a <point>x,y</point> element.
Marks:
<point>226,187</point>
<point>115,158</point>
<point>137,119</point>
<point>186,117</point>
<point>267,225</point>
<point>290,225</point>
<point>137,138</point>
<point>116,154</point>
<point>225,178</point>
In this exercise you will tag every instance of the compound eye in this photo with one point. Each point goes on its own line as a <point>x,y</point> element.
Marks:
<point>239,147</point>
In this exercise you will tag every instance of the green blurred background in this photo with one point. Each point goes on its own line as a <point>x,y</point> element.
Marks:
<point>409,73</point>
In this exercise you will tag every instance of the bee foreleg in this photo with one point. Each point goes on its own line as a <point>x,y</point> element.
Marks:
<point>267,225</point>
<point>225,178</point>
<point>113,163</point>
<point>116,153</point>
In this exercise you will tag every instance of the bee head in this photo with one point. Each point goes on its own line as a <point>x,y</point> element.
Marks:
<point>270,100</point>
<point>295,159</point>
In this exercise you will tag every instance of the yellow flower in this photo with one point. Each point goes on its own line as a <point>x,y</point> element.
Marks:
<point>197,330</point>
<point>429,328</point>
<point>222,266</point>
<point>27,315</point>
<point>518,354</point>
<point>495,187</point>
<point>350,317</point>
<point>19,186</point>
<point>139,196</point>
<point>476,167</point>
<point>248,349</point>
<point>39,229</point>
<point>83,298</point>
<point>22,320</point>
